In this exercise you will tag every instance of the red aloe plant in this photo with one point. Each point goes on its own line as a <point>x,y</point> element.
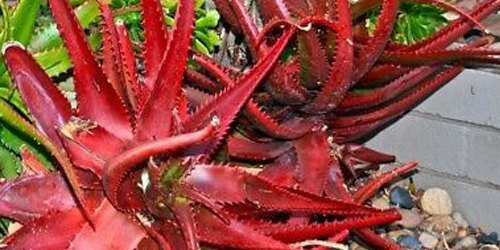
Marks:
<point>135,158</point>
<point>307,117</point>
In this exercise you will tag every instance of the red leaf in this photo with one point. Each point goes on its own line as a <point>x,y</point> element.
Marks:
<point>97,100</point>
<point>228,102</point>
<point>156,39</point>
<point>156,119</point>
<point>313,154</point>
<point>68,230</point>
<point>45,206</point>
<point>31,197</point>
<point>46,103</point>
<point>134,91</point>
<point>234,234</point>
<point>112,61</point>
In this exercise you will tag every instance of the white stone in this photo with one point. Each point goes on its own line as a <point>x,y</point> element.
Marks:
<point>356,246</point>
<point>381,203</point>
<point>489,247</point>
<point>449,237</point>
<point>459,219</point>
<point>440,224</point>
<point>394,235</point>
<point>428,240</point>
<point>409,218</point>
<point>466,243</point>
<point>436,201</point>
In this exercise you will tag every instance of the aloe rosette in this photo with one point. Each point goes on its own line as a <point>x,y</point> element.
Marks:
<point>136,164</point>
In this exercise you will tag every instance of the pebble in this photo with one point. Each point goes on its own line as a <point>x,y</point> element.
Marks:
<point>449,237</point>
<point>491,238</point>
<point>395,235</point>
<point>459,219</point>
<point>465,243</point>
<point>381,203</point>
<point>428,240</point>
<point>436,201</point>
<point>462,232</point>
<point>409,218</point>
<point>401,197</point>
<point>409,242</point>
<point>489,247</point>
<point>356,246</point>
<point>432,225</point>
<point>441,224</point>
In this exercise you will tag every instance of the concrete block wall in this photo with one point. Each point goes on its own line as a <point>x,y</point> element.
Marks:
<point>455,135</point>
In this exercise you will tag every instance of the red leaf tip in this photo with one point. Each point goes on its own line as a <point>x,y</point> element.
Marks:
<point>10,44</point>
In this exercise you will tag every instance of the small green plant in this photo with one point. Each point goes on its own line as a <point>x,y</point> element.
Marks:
<point>206,38</point>
<point>415,22</point>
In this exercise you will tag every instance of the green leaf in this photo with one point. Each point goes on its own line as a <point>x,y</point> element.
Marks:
<point>23,20</point>
<point>210,39</point>
<point>5,32</point>
<point>200,47</point>
<point>415,22</point>
<point>76,2</point>
<point>169,20</point>
<point>210,20</point>
<point>4,227</point>
<point>67,87</point>
<point>10,118</point>
<point>13,140</point>
<point>54,61</point>
<point>4,78</point>
<point>206,21</point>
<point>10,165</point>
<point>57,61</point>
<point>213,39</point>
<point>170,5</point>
<point>199,4</point>
<point>48,37</point>
<point>14,99</point>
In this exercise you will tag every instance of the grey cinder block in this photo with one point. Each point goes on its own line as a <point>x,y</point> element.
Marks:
<point>473,96</point>
<point>455,135</point>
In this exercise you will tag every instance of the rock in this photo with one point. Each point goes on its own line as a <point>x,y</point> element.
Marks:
<point>465,243</point>
<point>491,238</point>
<point>394,235</point>
<point>428,240</point>
<point>380,230</point>
<point>401,197</point>
<point>440,224</point>
<point>356,246</point>
<point>462,232</point>
<point>409,242</point>
<point>489,247</point>
<point>410,218</point>
<point>436,201</point>
<point>449,237</point>
<point>381,203</point>
<point>459,219</point>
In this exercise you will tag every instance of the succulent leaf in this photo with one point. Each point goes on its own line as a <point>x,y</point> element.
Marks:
<point>156,119</point>
<point>39,91</point>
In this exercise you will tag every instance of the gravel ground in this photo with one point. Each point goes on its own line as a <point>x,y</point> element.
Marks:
<point>429,220</point>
